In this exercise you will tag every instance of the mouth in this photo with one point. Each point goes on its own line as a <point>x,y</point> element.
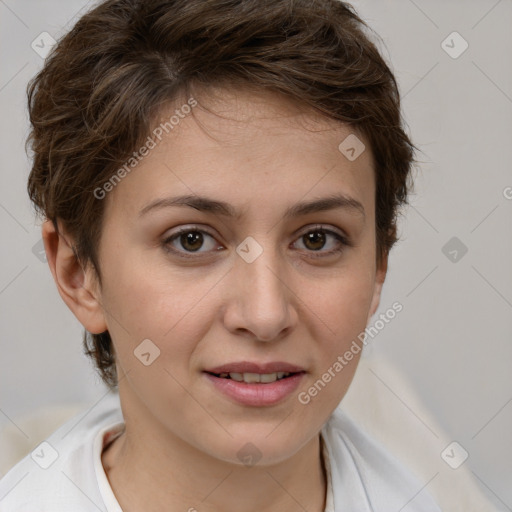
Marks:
<point>251,372</point>
<point>252,378</point>
<point>254,384</point>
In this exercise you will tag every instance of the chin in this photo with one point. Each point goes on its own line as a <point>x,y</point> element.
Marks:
<point>254,447</point>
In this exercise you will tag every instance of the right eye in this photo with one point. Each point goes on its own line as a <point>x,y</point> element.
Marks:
<point>191,240</point>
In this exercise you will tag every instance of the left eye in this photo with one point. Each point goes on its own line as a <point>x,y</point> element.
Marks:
<point>316,239</point>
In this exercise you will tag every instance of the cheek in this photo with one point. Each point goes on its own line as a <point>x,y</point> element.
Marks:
<point>340,310</point>
<point>341,305</point>
<point>155,302</point>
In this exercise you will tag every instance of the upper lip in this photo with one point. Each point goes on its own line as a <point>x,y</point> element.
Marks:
<point>251,367</point>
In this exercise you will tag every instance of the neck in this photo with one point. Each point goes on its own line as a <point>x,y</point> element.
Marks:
<point>154,470</point>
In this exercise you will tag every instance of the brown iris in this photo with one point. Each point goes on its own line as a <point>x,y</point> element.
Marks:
<point>192,241</point>
<point>316,238</point>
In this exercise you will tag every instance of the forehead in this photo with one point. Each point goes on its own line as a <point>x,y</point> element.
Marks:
<point>247,147</point>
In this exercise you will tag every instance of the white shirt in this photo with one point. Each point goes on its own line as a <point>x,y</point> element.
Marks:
<point>65,473</point>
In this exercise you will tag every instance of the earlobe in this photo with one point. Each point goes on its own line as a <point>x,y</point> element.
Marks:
<point>77,287</point>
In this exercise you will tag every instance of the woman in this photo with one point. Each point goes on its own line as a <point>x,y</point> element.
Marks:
<point>220,182</point>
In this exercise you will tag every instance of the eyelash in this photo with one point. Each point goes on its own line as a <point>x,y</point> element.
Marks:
<point>344,241</point>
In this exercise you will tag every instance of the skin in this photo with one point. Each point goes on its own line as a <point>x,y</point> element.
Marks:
<point>261,153</point>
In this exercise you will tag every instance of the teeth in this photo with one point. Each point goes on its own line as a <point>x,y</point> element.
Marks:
<point>255,377</point>
<point>251,377</point>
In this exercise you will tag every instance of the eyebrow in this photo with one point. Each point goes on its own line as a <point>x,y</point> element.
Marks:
<point>206,204</point>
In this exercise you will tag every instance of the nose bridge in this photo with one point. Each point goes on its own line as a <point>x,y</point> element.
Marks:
<point>261,291</point>
<point>259,266</point>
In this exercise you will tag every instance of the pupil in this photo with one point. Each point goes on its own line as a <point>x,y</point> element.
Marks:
<point>316,237</point>
<point>192,238</point>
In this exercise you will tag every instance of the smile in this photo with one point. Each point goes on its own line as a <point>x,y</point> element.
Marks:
<point>255,389</point>
<point>250,378</point>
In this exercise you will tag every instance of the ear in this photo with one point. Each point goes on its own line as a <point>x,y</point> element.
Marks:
<point>380,277</point>
<point>78,287</point>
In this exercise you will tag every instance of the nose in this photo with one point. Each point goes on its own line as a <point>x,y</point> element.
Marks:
<point>261,303</point>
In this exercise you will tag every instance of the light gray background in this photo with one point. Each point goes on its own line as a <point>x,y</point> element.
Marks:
<point>453,338</point>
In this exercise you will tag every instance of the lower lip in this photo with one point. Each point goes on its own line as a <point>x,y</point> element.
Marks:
<point>257,394</point>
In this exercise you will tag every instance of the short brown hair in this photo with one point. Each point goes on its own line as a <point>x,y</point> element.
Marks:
<point>94,100</point>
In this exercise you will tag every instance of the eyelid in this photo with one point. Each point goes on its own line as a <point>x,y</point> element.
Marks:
<point>341,236</point>
<point>322,227</point>
<point>187,228</point>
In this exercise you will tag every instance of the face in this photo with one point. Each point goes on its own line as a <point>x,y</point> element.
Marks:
<point>257,285</point>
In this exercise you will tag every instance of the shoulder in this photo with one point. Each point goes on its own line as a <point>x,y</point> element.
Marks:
<point>59,474</point>
<point>363,471</point>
